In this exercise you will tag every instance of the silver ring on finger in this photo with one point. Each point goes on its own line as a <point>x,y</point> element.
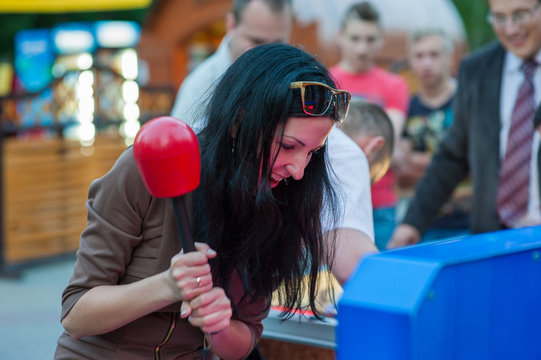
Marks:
<point>198,281</point>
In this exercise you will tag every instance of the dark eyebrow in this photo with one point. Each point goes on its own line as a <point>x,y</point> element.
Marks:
<point>260,41</point>
<point>257,41</point>
<point>294,138</point>
<point>303,144</point>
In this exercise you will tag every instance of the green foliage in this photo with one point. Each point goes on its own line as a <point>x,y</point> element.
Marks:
<point>473,13</point>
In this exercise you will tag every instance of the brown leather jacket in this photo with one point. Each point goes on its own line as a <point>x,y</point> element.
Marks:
<point>131,235</point>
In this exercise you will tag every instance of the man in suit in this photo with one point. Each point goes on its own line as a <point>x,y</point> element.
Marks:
<point>491,85</point>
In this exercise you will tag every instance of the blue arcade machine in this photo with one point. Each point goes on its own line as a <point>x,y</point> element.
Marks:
<point>477,297</point>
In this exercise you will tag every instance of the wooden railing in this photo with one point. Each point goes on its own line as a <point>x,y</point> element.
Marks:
<point>45,185</point>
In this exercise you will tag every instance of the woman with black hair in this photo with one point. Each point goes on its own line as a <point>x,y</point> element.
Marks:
<point>256,219</point>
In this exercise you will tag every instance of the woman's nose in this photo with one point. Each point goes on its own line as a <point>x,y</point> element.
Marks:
<point>296,168</point>
<point>295,171</point>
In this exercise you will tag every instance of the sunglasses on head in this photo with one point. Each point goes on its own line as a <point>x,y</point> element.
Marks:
<point>317,98</point>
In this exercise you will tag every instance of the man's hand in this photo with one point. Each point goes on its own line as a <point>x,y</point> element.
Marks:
<point>404,235</point>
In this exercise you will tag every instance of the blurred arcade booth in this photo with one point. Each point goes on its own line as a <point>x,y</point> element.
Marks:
<point>70,104</point>
<point>76,109</point>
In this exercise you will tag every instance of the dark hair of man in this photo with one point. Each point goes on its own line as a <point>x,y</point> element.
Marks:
<point>270,237</point>
<point>365,118</point>
<point>363,11</point>
<point>277,6</point>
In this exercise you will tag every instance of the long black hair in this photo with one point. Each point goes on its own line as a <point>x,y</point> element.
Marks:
<point>270,237</point>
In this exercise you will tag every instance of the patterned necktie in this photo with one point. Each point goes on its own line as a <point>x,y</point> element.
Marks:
<point>513,187</point>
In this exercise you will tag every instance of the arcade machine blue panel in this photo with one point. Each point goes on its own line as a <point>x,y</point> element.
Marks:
<point>478,297</point>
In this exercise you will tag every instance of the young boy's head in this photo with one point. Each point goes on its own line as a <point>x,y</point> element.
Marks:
<point>360,39</point>
<point>369,126</point>
<point>430,55</point>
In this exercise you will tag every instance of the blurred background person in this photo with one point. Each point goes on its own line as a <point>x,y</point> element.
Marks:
<point>430,54</point>
<point>248,24</point>
<point>360,41</point>
<point>491,137</point>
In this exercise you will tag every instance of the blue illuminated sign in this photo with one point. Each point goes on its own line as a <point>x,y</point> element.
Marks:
<point>34,58</point>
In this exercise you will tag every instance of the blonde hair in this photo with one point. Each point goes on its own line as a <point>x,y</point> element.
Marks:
<point>420,33</point>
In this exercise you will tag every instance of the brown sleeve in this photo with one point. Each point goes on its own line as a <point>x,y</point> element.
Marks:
<point>250,311</point>
<point>116,205</point>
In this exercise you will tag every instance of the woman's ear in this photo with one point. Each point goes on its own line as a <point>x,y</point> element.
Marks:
<point>230,23</point>
<point>371,147</point>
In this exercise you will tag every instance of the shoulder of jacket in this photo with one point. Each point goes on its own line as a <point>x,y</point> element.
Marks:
<point>488,53</point>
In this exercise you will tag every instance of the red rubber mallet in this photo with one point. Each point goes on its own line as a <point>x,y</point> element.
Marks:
<point>167,156</point>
